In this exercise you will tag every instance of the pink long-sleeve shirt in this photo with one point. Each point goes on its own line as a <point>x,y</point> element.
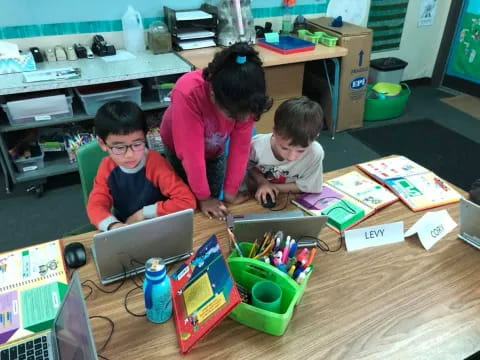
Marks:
<point>195,130</point>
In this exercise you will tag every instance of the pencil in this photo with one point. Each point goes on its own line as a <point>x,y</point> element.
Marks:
<point>232,238</point>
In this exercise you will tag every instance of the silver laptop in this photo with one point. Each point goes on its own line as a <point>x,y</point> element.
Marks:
<point>122,252</point>
<point>470,222</point>
<point>299,227</point>
<point>69,338</point>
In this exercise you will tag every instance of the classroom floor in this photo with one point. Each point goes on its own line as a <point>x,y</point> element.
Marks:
<point>26,219</point>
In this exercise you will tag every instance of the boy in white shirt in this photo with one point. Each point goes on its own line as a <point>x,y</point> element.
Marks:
<point>289,159</point>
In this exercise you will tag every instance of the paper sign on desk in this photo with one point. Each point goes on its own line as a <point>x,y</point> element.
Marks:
<point>374,236</point>
<point>431,227</point>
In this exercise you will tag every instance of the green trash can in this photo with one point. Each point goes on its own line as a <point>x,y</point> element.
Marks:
<point>387,108</point>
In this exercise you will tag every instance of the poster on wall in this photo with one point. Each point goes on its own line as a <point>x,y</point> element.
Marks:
<point>464,60</point>
<point>386,19</point>
<point>427,12</point>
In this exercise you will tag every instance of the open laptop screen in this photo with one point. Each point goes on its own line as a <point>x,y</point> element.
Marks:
<point>72,330</point>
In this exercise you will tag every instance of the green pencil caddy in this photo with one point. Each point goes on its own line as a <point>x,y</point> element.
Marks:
<point>247,272</point>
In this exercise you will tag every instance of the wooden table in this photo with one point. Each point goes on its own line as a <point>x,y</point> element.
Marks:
<point>390,302</point>
<point>283,73</point>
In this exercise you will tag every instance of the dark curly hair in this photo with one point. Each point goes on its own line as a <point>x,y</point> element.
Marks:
<point>239,88</point>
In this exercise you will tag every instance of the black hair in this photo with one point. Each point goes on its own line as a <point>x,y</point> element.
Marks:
<point>474,193</point>
<point>299,120</point>
<point>119,118</point>
<point>239,87</point>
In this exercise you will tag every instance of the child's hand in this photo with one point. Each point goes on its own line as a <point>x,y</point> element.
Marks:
<point>263,190</point>
<point>116,225</point>
<point>213,208</point>
<point>135,217</point>
<point>238,198</point>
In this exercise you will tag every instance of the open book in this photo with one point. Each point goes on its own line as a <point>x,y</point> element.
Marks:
<point>416,186</point>
<point>33,283</point>
<point>346,200</point>
<point>203,293</point>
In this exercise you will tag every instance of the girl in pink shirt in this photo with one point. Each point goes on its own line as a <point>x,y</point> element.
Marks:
<point>209,106</point>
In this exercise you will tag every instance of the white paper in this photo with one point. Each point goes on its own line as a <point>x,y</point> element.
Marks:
<point>121,55</point>
<point>8,50</point>
<point>374,236</point>
<point>192,15</point>
<point>427,12</point>
<point>53,74</point>
<point>195,34</point>
<point>432,227</point>
<point>195,44</point>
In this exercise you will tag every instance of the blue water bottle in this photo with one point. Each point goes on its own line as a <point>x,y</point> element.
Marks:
<point>156,291</point>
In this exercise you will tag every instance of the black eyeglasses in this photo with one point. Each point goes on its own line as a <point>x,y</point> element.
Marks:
<point>122,149</point>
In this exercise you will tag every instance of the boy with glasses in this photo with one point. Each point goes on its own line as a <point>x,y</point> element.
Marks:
<point>138,183</point>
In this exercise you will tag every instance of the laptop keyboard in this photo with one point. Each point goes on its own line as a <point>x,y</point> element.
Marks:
<point>34,349</point>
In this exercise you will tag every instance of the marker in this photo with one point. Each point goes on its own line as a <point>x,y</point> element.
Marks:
<point>297,272</point>
<point>302,254</point>
<point>292,269</point>
<point>301,277</point>
<point>310,258</point>
<point>293,248</point>
<point>285,253</point>
<point>282,267</point>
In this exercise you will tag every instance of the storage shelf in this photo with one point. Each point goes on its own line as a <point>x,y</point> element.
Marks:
<point>60,165</point>
<point>79,115</point>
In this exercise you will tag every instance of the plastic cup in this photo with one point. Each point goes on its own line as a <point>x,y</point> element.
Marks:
<point>267,295</point>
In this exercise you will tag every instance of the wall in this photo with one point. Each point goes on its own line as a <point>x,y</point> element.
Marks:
<point>419,45</point>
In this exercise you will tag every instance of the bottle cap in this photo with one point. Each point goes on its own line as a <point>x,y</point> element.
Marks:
<point>155,266</point>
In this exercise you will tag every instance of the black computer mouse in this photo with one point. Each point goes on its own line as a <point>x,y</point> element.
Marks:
<point>75,255</point>
<point>268,203</point>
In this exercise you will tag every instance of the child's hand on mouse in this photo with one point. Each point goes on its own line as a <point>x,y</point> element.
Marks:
<point>135,217</point>
<point>264,190</point>
<point>238,198</point>
<point>213,208</point>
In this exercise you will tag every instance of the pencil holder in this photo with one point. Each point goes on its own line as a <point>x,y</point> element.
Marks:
<point>247,272</point>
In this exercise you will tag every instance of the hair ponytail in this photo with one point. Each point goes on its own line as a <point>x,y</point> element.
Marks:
<point>238,81</point>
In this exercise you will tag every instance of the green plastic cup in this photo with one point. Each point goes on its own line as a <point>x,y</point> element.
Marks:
<point>267,295</point>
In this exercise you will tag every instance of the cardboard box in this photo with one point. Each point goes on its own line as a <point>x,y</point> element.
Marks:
<point>265,124</point>
<point>17,64</point>
<point>283,82</point>
<point>353,73</point>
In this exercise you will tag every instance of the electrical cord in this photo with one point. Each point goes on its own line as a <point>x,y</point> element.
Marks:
<point>322,245</point>
<point>112,324</point>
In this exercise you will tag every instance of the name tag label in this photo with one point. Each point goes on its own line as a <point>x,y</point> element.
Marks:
<point>432,227</point>
<point>374,236</point>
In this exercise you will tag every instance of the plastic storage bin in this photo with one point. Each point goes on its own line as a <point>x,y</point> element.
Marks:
<point>94,96</point>
<point>328,40</point>
<point>246,272</point>
<point>389,69</point>
<point>387,108</point>
<point>309,36</point>
<point>24,108</point>
<point>30,164</point>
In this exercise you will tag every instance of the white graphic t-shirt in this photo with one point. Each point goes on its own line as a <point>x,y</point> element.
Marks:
<point>306,172</point>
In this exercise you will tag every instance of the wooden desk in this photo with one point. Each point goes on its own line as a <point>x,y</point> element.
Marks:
<point>391,302</point>
<point>283,73</point>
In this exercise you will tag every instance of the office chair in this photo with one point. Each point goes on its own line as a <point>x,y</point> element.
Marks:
<point>88,159</point>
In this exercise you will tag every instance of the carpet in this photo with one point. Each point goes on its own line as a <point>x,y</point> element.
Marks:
<point>465,103</point>
<point>448,154</point>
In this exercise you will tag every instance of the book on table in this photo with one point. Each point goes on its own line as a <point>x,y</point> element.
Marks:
<point>346,200</point>
<point>33,282</point>
<point>418,187</point>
